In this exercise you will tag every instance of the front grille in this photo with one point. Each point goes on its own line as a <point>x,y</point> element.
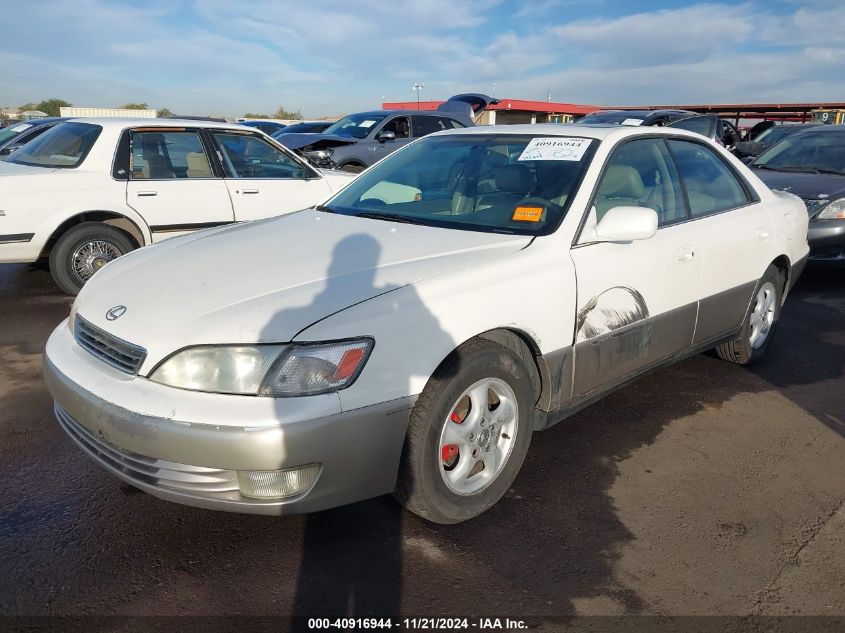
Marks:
<point>194,480</point>
<point>110,349</point>
<point>814,206</point>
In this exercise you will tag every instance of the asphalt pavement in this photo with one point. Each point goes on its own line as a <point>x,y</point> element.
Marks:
<point>702,489</point>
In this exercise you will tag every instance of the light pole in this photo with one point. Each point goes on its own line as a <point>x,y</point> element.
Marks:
<point>416,88</point>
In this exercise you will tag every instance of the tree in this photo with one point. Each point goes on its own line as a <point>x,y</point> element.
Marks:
<point>26,106</point>
<point>50,107</point>
<point>134,106</point>
<point>164,113</point>
<point>281,113</point>
<point>253,115</point>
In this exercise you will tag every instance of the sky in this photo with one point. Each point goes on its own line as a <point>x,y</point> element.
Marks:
<point>330,57</point>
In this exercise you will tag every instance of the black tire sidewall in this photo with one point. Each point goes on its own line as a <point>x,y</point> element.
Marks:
<point>61,267</point>
<point>446,505</point>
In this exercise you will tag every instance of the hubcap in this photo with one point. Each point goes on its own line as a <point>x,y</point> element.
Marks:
<point>762,314</point>
<point>478,436</point>
<point>89,257</point>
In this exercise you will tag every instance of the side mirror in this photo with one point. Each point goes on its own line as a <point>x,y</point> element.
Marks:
<point>624,224</point>
<point>386,135</point>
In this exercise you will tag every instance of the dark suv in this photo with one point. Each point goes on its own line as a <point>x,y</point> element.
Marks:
<point>359,140</point>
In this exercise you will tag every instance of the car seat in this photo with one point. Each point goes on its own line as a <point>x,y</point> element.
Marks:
<point>621,186</point>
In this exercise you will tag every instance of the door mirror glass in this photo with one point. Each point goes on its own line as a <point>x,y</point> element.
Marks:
<point>625,224</point>
<point>386,135</point>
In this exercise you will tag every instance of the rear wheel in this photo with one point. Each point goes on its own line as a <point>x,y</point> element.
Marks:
<point>468,435</point>
<point>760,321</point>
<point>83,250</point>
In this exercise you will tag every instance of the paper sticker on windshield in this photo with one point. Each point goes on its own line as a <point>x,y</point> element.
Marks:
<point>366,123</point>
<point>21,127</point>
<point>528,214</point>
<point>632,122</point>
<point>555,148</point>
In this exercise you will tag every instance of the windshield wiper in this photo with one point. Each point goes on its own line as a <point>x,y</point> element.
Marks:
<point>322,207</point>
<point>390,218</point>
<point>806,170</point>
<point>828,170</point>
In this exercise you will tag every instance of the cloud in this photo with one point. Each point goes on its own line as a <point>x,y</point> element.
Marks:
<point>333,56</point>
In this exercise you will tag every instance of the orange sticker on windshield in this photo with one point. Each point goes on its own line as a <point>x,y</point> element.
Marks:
<point>528,214</point>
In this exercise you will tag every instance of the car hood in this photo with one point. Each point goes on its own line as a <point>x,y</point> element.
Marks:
<point>804,185</point>
<point>304,139</point>
<point>268,280</point>
<point>13,169</point>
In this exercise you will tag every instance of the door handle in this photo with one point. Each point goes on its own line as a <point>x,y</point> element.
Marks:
<point>250,191</point>
<point>686,254</point>
<point>146,194</point>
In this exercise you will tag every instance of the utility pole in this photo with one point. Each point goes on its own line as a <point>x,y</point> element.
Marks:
<point>417,87</point>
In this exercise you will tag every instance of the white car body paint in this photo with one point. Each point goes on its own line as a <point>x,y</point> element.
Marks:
<point>419,292</point>
<point>38,200</point>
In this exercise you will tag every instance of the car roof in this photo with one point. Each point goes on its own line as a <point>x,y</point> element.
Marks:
<point>122,123</point>
<point>821,128</point>
<point>598,131</point>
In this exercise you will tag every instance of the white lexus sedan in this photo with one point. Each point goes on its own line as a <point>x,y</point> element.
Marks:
<point>410,334</point>
<point>90,190</point>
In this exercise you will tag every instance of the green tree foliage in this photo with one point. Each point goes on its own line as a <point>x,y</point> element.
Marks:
<point>163,113</point>
<point>134,106</point>
<point>50,107</point>
<point>281,113</point>
<point>26,106</point>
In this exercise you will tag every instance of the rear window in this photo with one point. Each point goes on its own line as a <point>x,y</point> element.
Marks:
<point>64,146</point>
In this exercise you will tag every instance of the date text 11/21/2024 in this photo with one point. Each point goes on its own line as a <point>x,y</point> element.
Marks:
<point>417,624</point>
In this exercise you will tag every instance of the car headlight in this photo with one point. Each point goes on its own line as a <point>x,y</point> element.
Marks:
<point>266,370</point>
<point>834,211</point>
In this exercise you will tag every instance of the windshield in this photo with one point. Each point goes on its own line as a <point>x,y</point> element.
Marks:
<point>66,145</point>
<point>517,184</point>
<point>8,133</point>
<point>774,134</point>
<point>613,118</point>
<point>808,151</point>
<point>355,125</point>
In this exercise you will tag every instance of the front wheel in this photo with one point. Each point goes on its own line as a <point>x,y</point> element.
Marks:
<point>468,435</point>
<point>760,321</point>
<point>353,168</point>
<point>82,251</point>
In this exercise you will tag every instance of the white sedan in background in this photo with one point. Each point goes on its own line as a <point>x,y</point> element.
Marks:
<point>410,334</point>
<point>90,190</point>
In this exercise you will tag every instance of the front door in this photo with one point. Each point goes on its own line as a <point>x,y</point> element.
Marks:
<point>263,180</point>
<point>637,300</point>
<point>400,126</point>
<point>172,185</point>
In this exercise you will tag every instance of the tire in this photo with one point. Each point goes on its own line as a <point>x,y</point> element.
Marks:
<point>436,479</point>
<point>352,168</point>
<point>760,321</point>
<point>104,242</point>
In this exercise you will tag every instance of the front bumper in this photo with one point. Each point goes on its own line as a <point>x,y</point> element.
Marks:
<point>827,240</point>
<point>167,442</point>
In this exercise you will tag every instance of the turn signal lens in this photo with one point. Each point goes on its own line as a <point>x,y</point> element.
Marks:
<point>277,484</point>
<point>306,370</point>
<point>834,211</point>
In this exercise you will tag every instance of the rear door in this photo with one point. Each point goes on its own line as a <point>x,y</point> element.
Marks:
<point>736,233</point>
<point>637,300</point>
<point>172,184</point>
<point>262,179</point>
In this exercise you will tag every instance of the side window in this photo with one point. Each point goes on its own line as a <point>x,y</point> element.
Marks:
<point>641,174</point>
<point>246,156</point>
<point>710,183</point>
<point>160,155</point>
<point>451,124</point>
<point>427,124</point>
<point>399,126</point>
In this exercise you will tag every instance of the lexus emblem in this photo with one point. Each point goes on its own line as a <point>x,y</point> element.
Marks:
<point>115,313</point>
